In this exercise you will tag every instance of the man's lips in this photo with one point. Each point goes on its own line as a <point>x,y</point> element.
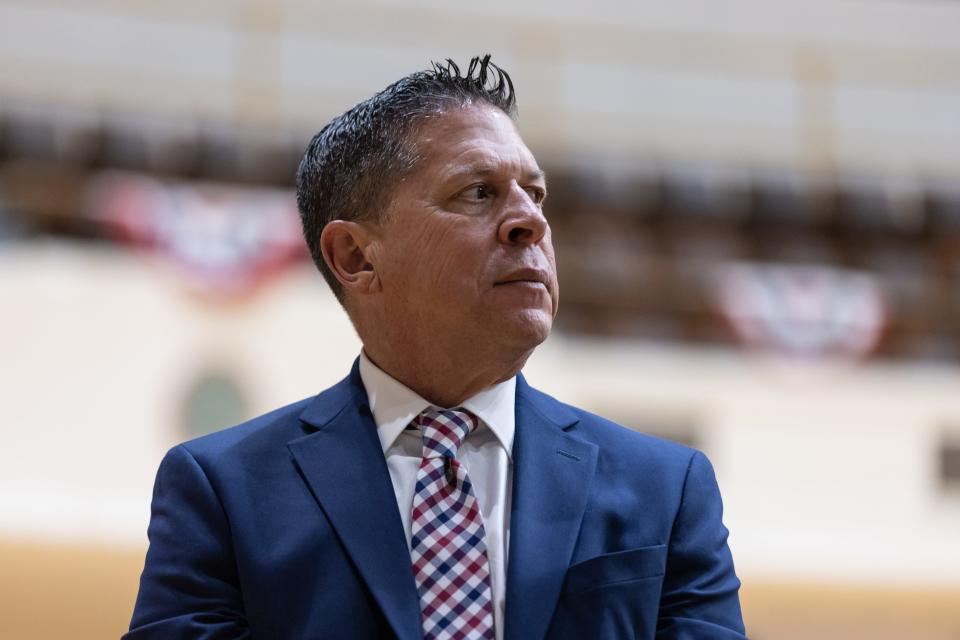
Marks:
<point>526,276</point>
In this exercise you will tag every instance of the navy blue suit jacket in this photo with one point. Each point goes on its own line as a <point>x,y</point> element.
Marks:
<point>287,527</point>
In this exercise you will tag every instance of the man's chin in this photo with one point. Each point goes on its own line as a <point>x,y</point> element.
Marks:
<point>526,329</point>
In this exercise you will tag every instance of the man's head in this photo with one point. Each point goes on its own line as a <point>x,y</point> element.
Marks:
<point>422,207</point>
<point>352,165</point>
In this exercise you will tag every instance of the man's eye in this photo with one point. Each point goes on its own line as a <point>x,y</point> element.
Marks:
<point>537,194</point>
<point>478,192</point>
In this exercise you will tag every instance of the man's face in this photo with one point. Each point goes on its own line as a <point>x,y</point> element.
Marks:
<point>464,253</point>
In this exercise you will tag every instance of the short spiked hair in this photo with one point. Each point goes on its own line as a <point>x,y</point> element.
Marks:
<point>353,164</point>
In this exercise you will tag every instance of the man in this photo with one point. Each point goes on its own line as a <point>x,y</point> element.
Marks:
<point>433,493</point>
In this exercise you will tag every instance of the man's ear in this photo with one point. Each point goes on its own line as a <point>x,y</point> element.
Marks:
<point>345,246</point>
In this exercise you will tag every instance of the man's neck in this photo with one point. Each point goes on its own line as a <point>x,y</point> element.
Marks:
<point>444,381</point>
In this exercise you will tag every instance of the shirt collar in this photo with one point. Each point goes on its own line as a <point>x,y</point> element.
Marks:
<point>394,405</point>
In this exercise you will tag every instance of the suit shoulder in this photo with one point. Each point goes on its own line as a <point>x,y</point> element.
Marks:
<point>615,438</point>
<point>279,422</point>
<point>618,435</point>
<point>272,431</point>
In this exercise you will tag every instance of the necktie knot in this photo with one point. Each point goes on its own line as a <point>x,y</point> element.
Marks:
<point>444,430</point>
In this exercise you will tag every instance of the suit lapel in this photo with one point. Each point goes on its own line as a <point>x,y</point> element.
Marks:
<point>552,472</point>
<point>343,464</point>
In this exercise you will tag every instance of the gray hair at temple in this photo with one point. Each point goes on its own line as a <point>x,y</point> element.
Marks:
<point>352,165</point>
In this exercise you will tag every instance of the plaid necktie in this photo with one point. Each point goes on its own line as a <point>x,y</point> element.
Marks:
<point>447,548</point>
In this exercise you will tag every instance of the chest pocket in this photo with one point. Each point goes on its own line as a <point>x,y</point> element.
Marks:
<point>616,595</point>
<point>615,568</point>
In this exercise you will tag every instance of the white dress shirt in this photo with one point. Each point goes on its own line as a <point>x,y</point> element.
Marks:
<point>485,455</point>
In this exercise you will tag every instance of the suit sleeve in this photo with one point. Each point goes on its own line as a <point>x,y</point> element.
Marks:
<point>699,598</point>
<point>189,586</point>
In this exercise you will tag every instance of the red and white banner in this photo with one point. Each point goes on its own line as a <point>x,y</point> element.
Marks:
<point>803,310</point>
<point>224,240</point>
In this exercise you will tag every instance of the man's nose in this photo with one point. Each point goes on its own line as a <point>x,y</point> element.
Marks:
<point>523,222</point>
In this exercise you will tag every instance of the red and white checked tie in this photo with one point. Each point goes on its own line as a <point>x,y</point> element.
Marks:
<point>447,548</point>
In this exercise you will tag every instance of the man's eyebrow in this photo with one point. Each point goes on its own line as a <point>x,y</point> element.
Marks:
<point>487,168</point>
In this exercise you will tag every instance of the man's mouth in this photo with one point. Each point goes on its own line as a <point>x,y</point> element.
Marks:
<point>528,277</point>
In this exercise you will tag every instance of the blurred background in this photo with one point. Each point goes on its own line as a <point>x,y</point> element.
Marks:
<point>756,208</point>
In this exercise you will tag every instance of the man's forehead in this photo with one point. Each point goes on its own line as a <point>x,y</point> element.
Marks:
<point>469,122</point>
<point>477,140</point>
